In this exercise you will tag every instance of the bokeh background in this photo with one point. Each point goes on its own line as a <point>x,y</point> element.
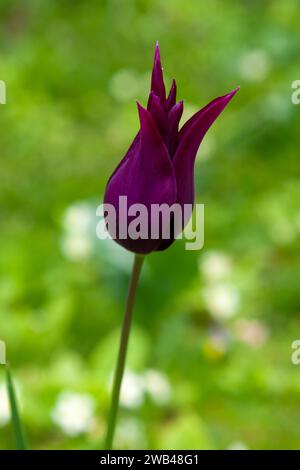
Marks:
<point>209,364</point>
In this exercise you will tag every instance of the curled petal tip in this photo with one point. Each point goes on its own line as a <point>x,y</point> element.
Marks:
<point>142,112</point>
<point>146,122</point>
<point>157,81</point>
<point>228,97</point>
<point>157,53</point>
<point>140,108</point>
<point>171,100</point>
<point>233,92</point>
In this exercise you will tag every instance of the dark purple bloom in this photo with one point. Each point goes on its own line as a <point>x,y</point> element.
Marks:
<point>159,165</point>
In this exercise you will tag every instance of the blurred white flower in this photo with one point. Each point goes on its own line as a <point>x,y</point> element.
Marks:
<point>4,406</point>
<point>254,65</point>
<point>238,445</point>
<point>79,226</point>
<point>215,265</point>
<point>222,300</point>
<point>157,385</point>
<point>130,434</point>
<point>124,85</point>
<point>132,391</point>
<point>252,332</point>
<point>76,248</point>
<point>74,413</point>
<point>135,386</point>
<point>78,217</point>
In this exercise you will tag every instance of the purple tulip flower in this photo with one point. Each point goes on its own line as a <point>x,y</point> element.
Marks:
<point>159,165</point>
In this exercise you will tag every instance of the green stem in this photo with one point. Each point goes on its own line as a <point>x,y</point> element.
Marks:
<point>112,417</point>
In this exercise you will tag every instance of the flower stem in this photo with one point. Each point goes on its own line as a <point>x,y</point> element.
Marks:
<point>112,417</point>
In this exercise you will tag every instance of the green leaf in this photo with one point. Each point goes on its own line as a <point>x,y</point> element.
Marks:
<point>15,416</point>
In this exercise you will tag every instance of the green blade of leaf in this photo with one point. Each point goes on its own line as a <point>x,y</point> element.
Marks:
<point>15,416</point>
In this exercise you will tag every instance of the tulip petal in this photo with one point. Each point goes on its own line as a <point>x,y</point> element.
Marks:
<point>147,177</point>
<point>190,137</point>
<point>157,81</point>
<point>130,152</point>
<point>171,100</point>
<point>174,117</point>
<point>158,114</point>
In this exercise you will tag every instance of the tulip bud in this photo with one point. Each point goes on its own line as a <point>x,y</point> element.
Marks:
<point>158,168</point>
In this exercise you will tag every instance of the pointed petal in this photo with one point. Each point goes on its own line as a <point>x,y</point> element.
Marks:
<point>147,177</point>
<point>198,115</point>
<point>157,81</point>
<point>190,137</point>
<point>174,117</point>
<point>171,100</point>
<point>158,114</point>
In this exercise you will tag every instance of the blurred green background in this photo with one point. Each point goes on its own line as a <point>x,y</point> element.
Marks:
<point>209,364</point>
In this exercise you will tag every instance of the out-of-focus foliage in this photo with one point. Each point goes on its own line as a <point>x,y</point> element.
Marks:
<point>209,361</point>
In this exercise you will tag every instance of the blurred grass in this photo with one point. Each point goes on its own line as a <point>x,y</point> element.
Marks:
<point>19,435</point>
<point>218,324</point>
